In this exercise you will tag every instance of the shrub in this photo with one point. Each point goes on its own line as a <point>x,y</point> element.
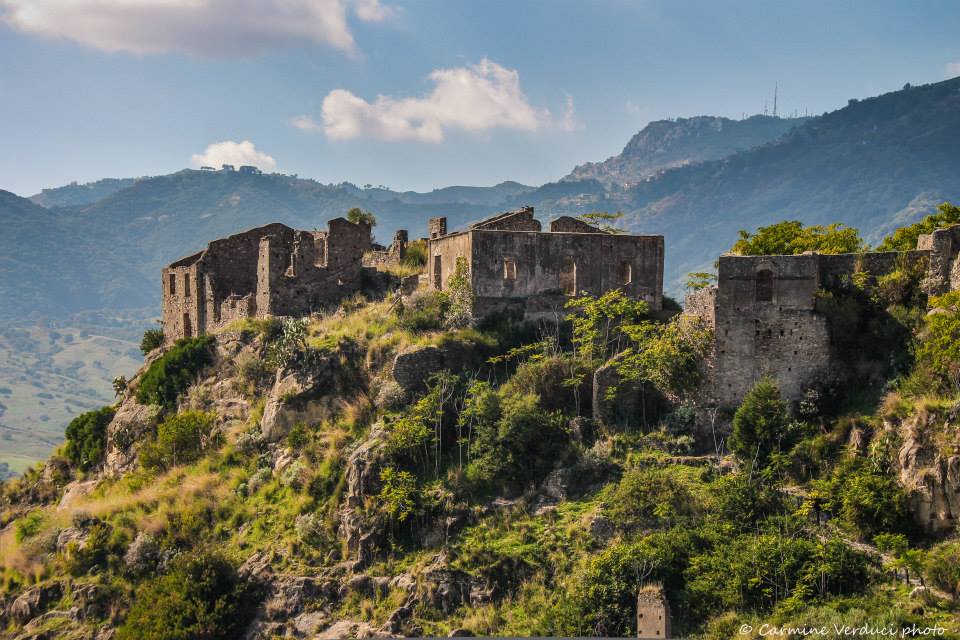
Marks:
<point>648,497</point>
<point>201,598</point>
<point>86,437</point>
<point>152,339</point>
<point>514,440</point>
<point>459,295</point>
<point>744,501</point>
<point>762,426</point>
<point>175,370</point>
<point>398,494</point>
<point>142,555</point>
<point>866,501</point>
<point>180,439</point>
<point>943,567</point>
<point>29,525</point>
<point>415,255</point>
<point>423,310</point>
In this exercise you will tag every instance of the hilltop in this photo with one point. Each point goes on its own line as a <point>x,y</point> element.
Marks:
<point>396,467</point>
<point>666,144</point>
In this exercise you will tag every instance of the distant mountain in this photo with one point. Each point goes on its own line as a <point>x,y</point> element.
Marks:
<point>106,254</point>
<point>875,164</point>
<point>665,144</point>
<point>78,194</point>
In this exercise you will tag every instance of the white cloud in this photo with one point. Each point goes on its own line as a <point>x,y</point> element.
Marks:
<point>196,27</point>
<point>235,153</point>
<point>953,69</point>
<point>373,11</point>
<point>475,98</point>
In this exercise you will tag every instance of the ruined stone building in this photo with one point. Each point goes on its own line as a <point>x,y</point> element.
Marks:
<point>392,255</point>
<point>653,613</point>
<point>763,310</point>
<point>516,266</point>
<point>269,270</point>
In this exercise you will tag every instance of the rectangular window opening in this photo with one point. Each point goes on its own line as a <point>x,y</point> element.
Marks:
<point>509,269</point>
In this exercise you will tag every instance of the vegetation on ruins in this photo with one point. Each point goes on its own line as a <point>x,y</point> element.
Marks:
<point>905,238</point>
<point>152,339</point>
<point>483,495</point>
<point>792,237</point>
<point>357,215</point>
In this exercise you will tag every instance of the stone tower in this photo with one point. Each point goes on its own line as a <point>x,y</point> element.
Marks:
<point>653,613</point>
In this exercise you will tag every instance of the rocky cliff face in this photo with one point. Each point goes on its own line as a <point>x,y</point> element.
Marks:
<point>928,466</point>
<point>674,143</point>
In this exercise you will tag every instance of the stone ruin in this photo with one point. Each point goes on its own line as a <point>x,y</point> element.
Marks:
<point>653,613</point>
<point>380,256</point>
<point>516,266</point>
<point>765,320</point>
<point>271,270</point>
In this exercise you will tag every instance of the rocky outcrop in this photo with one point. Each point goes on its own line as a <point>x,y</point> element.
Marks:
<point>300,396</point>
<point>130,426</point>
<point>362,481</point>
<point>33,602</point>
<point>930,472</point>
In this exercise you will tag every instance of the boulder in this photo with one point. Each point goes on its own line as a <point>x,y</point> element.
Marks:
<point>362,480</point>
<point>601,528</point>
<point>299,396</point>
<point>32,602</point>
<point>444,588</point>
<point>130,427</point>
<point>71,535</point>
<point>414,365</point>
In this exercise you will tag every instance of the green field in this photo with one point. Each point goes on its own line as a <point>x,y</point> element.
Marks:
<point>50,374</point>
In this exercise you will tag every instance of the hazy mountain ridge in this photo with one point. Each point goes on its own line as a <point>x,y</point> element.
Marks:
<point>80,194</point>
<point>665,144</point>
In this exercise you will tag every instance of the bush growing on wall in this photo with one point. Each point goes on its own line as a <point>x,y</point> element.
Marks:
<point>152,339</point>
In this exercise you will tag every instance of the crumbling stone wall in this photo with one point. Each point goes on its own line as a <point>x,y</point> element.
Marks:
<point>269,270</point>
<point>943,246</point>
<point>516,266</point>
<point>765,320</point>
<point>381,256</point>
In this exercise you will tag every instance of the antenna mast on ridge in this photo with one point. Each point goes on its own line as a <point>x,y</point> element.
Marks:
<point>775,87</point>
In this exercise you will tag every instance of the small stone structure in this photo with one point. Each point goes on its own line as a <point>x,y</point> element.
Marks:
<point>270,270</point>
<point>392,255</point>
<point>653,613</point>
<point>516,266</point>
<point>764,316</point>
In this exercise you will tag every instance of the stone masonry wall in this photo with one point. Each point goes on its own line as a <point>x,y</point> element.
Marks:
<point>269,270</point>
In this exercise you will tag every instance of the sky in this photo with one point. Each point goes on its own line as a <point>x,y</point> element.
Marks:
<point>421,94</point>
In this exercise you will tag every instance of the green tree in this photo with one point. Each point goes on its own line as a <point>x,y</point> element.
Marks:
<point>86,437</point>
<point>201,598</point>
<point>180,439</point>
<point>357,215</point>
<point>398,493</point>
<point>152,339</point>
<point>598,323</point>
<point>762,426</point>
<point>905,238</point>
<point>791,237</point>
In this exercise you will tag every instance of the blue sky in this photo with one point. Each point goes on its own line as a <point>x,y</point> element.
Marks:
<point>473,92</point>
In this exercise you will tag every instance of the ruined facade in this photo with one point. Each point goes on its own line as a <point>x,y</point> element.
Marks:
<point>653,613</point>
<point>764,315</point>
<point>269,270</point>
<point>514,265</point>
<point>384,256</point>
